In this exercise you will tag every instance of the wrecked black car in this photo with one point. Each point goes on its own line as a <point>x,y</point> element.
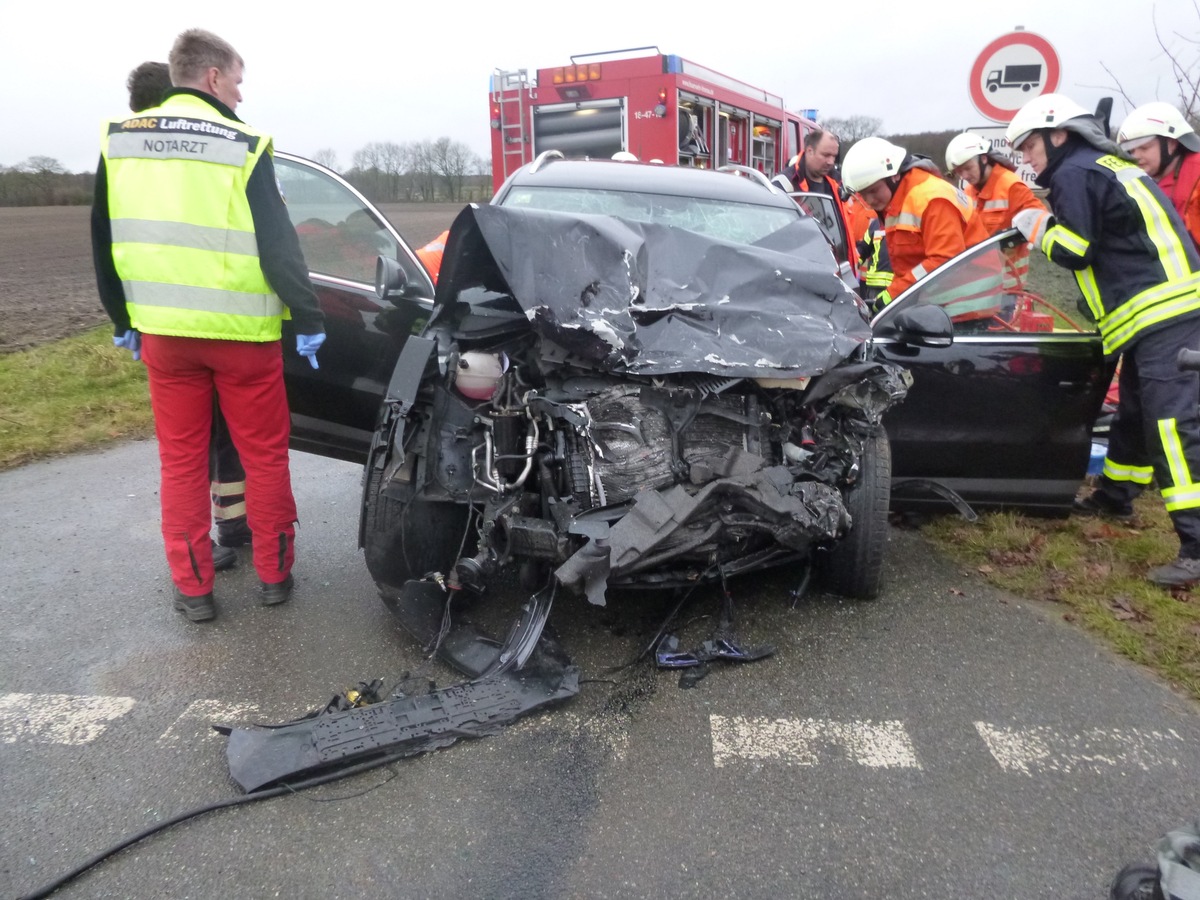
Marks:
<point>657,398</point>
<point>636,375</point>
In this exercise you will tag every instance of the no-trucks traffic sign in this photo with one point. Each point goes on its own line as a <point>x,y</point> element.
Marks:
<point>1011,71</point>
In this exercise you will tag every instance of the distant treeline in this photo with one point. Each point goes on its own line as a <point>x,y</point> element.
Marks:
<point>441,170</point>
<point>927,143</point>
<point>42,181</point>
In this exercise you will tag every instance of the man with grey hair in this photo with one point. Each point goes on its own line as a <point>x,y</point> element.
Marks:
<point>197,264</point>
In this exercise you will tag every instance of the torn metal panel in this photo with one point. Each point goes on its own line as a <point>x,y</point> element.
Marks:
<point>649,299</point>
<point>263,756</point>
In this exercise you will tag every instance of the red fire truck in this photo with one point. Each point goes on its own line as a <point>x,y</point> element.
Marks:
<point>653,105</point>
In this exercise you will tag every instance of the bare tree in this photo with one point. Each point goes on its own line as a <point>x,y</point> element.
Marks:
<point>852,128</point>
<point>41,173</point>
<point>366,171</point>
<point>423,172</point>
<point>327,157</point>
<point>453,161</point>
<point>392,160</point>
<point>1182,52</point>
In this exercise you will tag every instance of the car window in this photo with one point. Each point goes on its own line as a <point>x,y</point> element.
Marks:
<point>742,223</point>
<point>1000,286</point>
<point>824,210</point>
<point>339,234</point>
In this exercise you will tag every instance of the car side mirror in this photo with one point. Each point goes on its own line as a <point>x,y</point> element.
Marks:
<point>924,326</point>
<point>389,278</point>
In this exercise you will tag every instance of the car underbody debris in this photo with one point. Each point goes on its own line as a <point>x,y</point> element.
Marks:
<point>262,756</point>
<point>722,644</point>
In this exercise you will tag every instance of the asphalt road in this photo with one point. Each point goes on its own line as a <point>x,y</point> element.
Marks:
<point>943,741</point>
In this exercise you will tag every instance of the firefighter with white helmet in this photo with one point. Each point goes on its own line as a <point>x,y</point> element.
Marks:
<point>1140,277</point>
<point>1166,147</point>
<point>926,221</point>
<point>991,181</point>
<point>995,189</point>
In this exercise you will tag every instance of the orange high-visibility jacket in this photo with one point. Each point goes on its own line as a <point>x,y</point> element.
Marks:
<point>928,223</point>
<point>1002,196</point>
<point>431,254</point>
<point>1182,185</point>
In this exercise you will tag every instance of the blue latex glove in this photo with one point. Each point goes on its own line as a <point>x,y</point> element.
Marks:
<point>308,345</point>
<point>131,340</point>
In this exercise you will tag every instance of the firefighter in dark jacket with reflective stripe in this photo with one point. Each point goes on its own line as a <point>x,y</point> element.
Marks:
<point>1140,276</point>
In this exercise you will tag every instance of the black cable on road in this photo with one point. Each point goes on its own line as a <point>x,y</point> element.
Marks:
<point>48,889</point>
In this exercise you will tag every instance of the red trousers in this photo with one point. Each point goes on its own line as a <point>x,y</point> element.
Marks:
<point>248,380</point>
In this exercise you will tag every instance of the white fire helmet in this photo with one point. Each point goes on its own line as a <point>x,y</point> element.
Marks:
<point>1046,111</point>
<point>1156,119</point>
<point>964,148</point>
<point>870,160</point>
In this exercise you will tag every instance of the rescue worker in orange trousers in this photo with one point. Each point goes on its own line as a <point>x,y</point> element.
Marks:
<point>926,220</point>
<point>1165,147</point>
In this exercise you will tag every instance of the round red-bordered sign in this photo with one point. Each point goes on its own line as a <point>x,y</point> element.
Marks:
<point>994,51</point>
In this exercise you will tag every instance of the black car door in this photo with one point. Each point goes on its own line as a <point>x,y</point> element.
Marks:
<point>341,234</point>
<point>1003,415</point>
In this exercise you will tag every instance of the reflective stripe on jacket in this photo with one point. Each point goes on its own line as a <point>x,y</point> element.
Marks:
<point>877,273</point>
<point>1114,227</point>
<point>928,222</point>
<point>183,238</point>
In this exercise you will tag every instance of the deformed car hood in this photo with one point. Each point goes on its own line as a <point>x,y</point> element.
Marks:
<point>650,299</point>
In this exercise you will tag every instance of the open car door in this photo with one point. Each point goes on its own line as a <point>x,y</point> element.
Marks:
<point>822,208</point>
<point>1003,413</point>
<point>334,408</point>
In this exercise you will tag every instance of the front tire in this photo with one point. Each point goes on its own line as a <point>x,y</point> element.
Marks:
<point>408,539</point>
<point>854,567</point>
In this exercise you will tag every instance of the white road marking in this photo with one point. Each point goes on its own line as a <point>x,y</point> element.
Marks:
<point>803,742</point>
<point>196,721</point>
<point>1043,749</point>
<point>58,718</point>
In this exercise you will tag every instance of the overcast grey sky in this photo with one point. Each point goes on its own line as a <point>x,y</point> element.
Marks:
<point>342,75</point>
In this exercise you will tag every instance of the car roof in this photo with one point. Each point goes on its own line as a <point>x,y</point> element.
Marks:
<point>648,178</point>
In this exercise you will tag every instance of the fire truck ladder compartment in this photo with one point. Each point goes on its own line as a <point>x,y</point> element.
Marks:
<point>510,92</point>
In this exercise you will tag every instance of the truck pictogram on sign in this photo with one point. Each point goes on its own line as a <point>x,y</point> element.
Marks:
<point>1022,76</point>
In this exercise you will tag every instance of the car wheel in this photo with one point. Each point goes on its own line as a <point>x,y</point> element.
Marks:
<point>854,567</point>
<point>409,539</point>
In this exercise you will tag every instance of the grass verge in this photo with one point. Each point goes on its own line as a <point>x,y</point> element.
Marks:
<point>1096,571</point>
<point>74,394</point>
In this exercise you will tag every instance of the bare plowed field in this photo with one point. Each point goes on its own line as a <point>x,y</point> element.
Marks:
<point>47,285</point>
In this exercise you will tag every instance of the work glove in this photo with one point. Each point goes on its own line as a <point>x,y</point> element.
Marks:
<point>308,345</point>
<point>1033,224</point>
<point>131,340</point>
<point>882,299</point>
